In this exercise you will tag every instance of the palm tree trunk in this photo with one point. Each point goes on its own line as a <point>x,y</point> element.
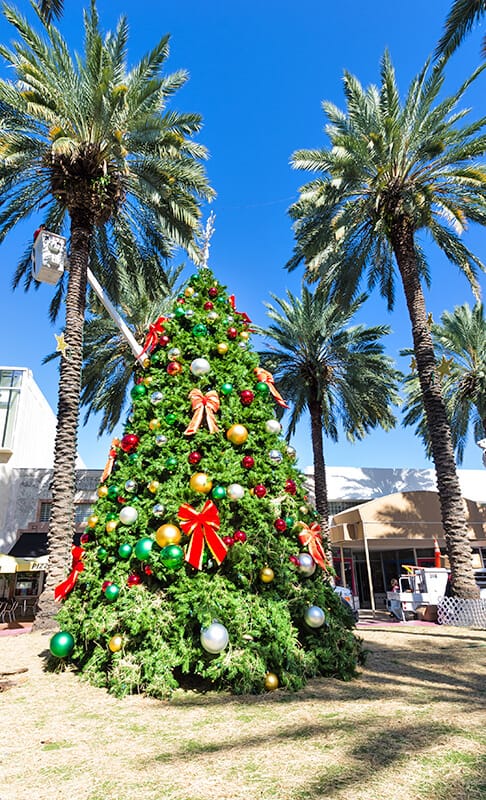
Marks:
<point>61,526</point>
<point>450,498</point>
<point>320,482</point>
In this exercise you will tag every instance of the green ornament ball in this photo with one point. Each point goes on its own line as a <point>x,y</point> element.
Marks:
<point>133,457</point>
<point>199,330</point>
<point>289,521</point>
<point>139,390</point>
<point>111,592</point>
<point>111,516</point>
<point>219,493</point>
<point>113,492</point>
<point>125,550</point>
<point>101,554</point>
<point>61,644</point>
<point>221,299</point>
<point>171,418</point>
<point>172,556</point>
<point>262,387</point>
<point>179,312</point>
<point>143,548</point>
<point>227,388</point>
<point>171,462</point>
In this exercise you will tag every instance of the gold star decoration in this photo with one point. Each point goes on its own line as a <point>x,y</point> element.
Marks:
<point>413,364</point>
<point>444,367</point>
<point>62,345</point>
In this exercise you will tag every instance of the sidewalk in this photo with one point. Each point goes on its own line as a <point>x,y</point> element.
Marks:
<point>383,619</point>
<point>14,628</point>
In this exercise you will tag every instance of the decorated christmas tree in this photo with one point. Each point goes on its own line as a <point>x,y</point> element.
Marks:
<point>202,564</point>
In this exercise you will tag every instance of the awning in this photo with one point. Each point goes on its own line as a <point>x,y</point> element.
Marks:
<point>10,564</point>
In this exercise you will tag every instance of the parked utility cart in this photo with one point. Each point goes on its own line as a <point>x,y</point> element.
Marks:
<point>420,590</point>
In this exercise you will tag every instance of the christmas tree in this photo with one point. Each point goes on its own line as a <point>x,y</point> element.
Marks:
<point>202,564</point>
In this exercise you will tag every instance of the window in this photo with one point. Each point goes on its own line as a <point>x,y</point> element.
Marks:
<point>10,382</point>
<point>336,506</point>
<point>81,513</point>
<point>45,512</point>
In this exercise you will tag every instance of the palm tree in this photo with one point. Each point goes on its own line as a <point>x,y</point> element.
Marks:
<point>108,361</point>
<point>335,371</point>
<point>460,344</point>
<point>395,170</point>
<point>462,17</point>
<point>94,146</point>
<point>51,9</point>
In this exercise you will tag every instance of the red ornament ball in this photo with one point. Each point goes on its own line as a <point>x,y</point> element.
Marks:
<point>247,462</point>
<point>173,368</point>
<point>129,442</point>
<point>194,457</point>
<point>147,569</point>
<point>240,536</point>
<point>134,579</point>
<point>84,538</point>
<point>105,584</point>
<point>231,333</point>
<point>229,541</point>
<point>208,306</point>
<point>247,397</point>
<point>260,490</point>
<point>280,525</point>
<point>290,486</point>
<point>213,291</point>
<point>164,340</point>
<point>121,500</point>
<point>294,560</point>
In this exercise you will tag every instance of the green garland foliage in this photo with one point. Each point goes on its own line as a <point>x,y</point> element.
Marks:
<point>147,636</point>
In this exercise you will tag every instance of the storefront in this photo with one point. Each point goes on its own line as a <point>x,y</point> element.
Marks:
<point>21,582</point>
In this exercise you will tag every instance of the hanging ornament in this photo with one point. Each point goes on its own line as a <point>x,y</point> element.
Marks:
<point>273,426</point>
<point>231,333</point>
<point>143,548</point>
<point>199,330</point>
<point>314,617</point>
<point>147,569</point>
<point>168,534</point>
<point>307,565</point>
<point>113,491</point>
<point>84,538</point>
<point>111,592</point>
<point>212,317</point>
<point>228,541</point>
<point>222,348</point>
<point>265,378</point>
<point>240,536</point>
<point>200,483</point>
<point>294,560</point>
<point>218,493</point>
<point>262,388</point>
<point>160,440</point>
<point>156,398</point>
<point>203,404</point>
<point>226,388</point>
<point>290,521</point>
<point>292,453</point>
<point>134,579</point>
<point>125,551</point>
<point>154,424</point>
<point>214,638</point>
<point>188,291</point>
<point>208,306</point>
<point>189,313</point>
<point>247,397</point>
<point>102,491</point>
<point>138,391</point>
<point>194,457</point>
<point>267,574</point>
<point>304,510</point>
<point>101,553</point>
<point>174,353</point>
<point>275,457</point>
<point>280,525</point>
<point>237,434</point>
<point>171,418</point>
<point>158,510</point>
<point>148,381</point>
<point>153,487</point>
<point>179,312</point>
<point>271,682</point>
<point>111,526</point>
<point>128,515</point>
<point>164,340</point>
<point>260,490</point>
<point>92,521</point>
<point>116,643</point>
<point>213,291</point>
<point>247,462</point>
<point>244,335</point>
<point>133,457</point>
<point>290,486</point>
<point>62,644</point>
<point>172,556</point>
<point>170,463</point>
<point>200,366</point>
<point>105,584</point>
<point>235,491</point>
<point>130,485</point>
<point>129,442</point>
<point>173,368</point>
<point>110,516</point>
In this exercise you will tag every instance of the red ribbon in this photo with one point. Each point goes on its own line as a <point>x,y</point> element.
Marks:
<point>266,377</point>
<point>154,331</point>
<point>243,314</point>
<point>311,538</point>
<point>111,460</point>
<point>61,591</point>
<point>201,403</point>
<point>201,526</point>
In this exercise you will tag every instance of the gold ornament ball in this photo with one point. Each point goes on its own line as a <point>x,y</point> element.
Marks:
<point>188,291</point>
<point>271,681</point>
<point>244,335</point>
<point>237,434</point>
<point>154,424</point>
<point>153,486</point>
<point>200,483</point>
<point>146,362</point>
<point>116,643</point>
<point>148,380</point>
<point>167,534</point>
<point>267,575</point>
<point>92,521</point>
<point>222,348</point>
<point>102,491</point>
<point>111,525</point>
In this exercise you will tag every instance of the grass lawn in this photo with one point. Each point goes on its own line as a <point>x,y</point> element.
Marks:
<point>412,725</point>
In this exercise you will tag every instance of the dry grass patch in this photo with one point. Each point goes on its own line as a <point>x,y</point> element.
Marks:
<point>412,723</point>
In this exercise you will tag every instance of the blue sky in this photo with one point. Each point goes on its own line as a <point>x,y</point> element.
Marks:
<point>258,74</point>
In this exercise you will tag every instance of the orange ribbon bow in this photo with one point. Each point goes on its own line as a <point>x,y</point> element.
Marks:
<point>266,377</point>
<point>61,591</point>
<point>154,331</point>
<point>201,403</point>
<point>111,460</point>
<point>201,526</point>
<point>311,538</point>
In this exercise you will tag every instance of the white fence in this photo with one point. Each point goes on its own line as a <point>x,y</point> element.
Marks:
<point>463,613</point>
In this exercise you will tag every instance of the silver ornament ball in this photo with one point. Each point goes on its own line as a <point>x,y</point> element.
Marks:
<point>200,366</point>
<point>307,565</point>
<point>292,453</point>
<point>214,638</point>
<point>158,510</point>
<point>235,491</point>
<point>273,426</point>
<point>173,353</point>
<point>130,486</point>
<point>275,456</point>
<point>156,398</point>
<point>160,440</point>
<point>128,515</point>
<point>314,617</point>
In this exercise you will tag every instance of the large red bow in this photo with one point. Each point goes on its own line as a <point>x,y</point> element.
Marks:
<point>201,526</point>
<point>61,591</point>
<point>311,538</point>
<point>201,403</point>
<point>266,377</point>
<point>154,331</point>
